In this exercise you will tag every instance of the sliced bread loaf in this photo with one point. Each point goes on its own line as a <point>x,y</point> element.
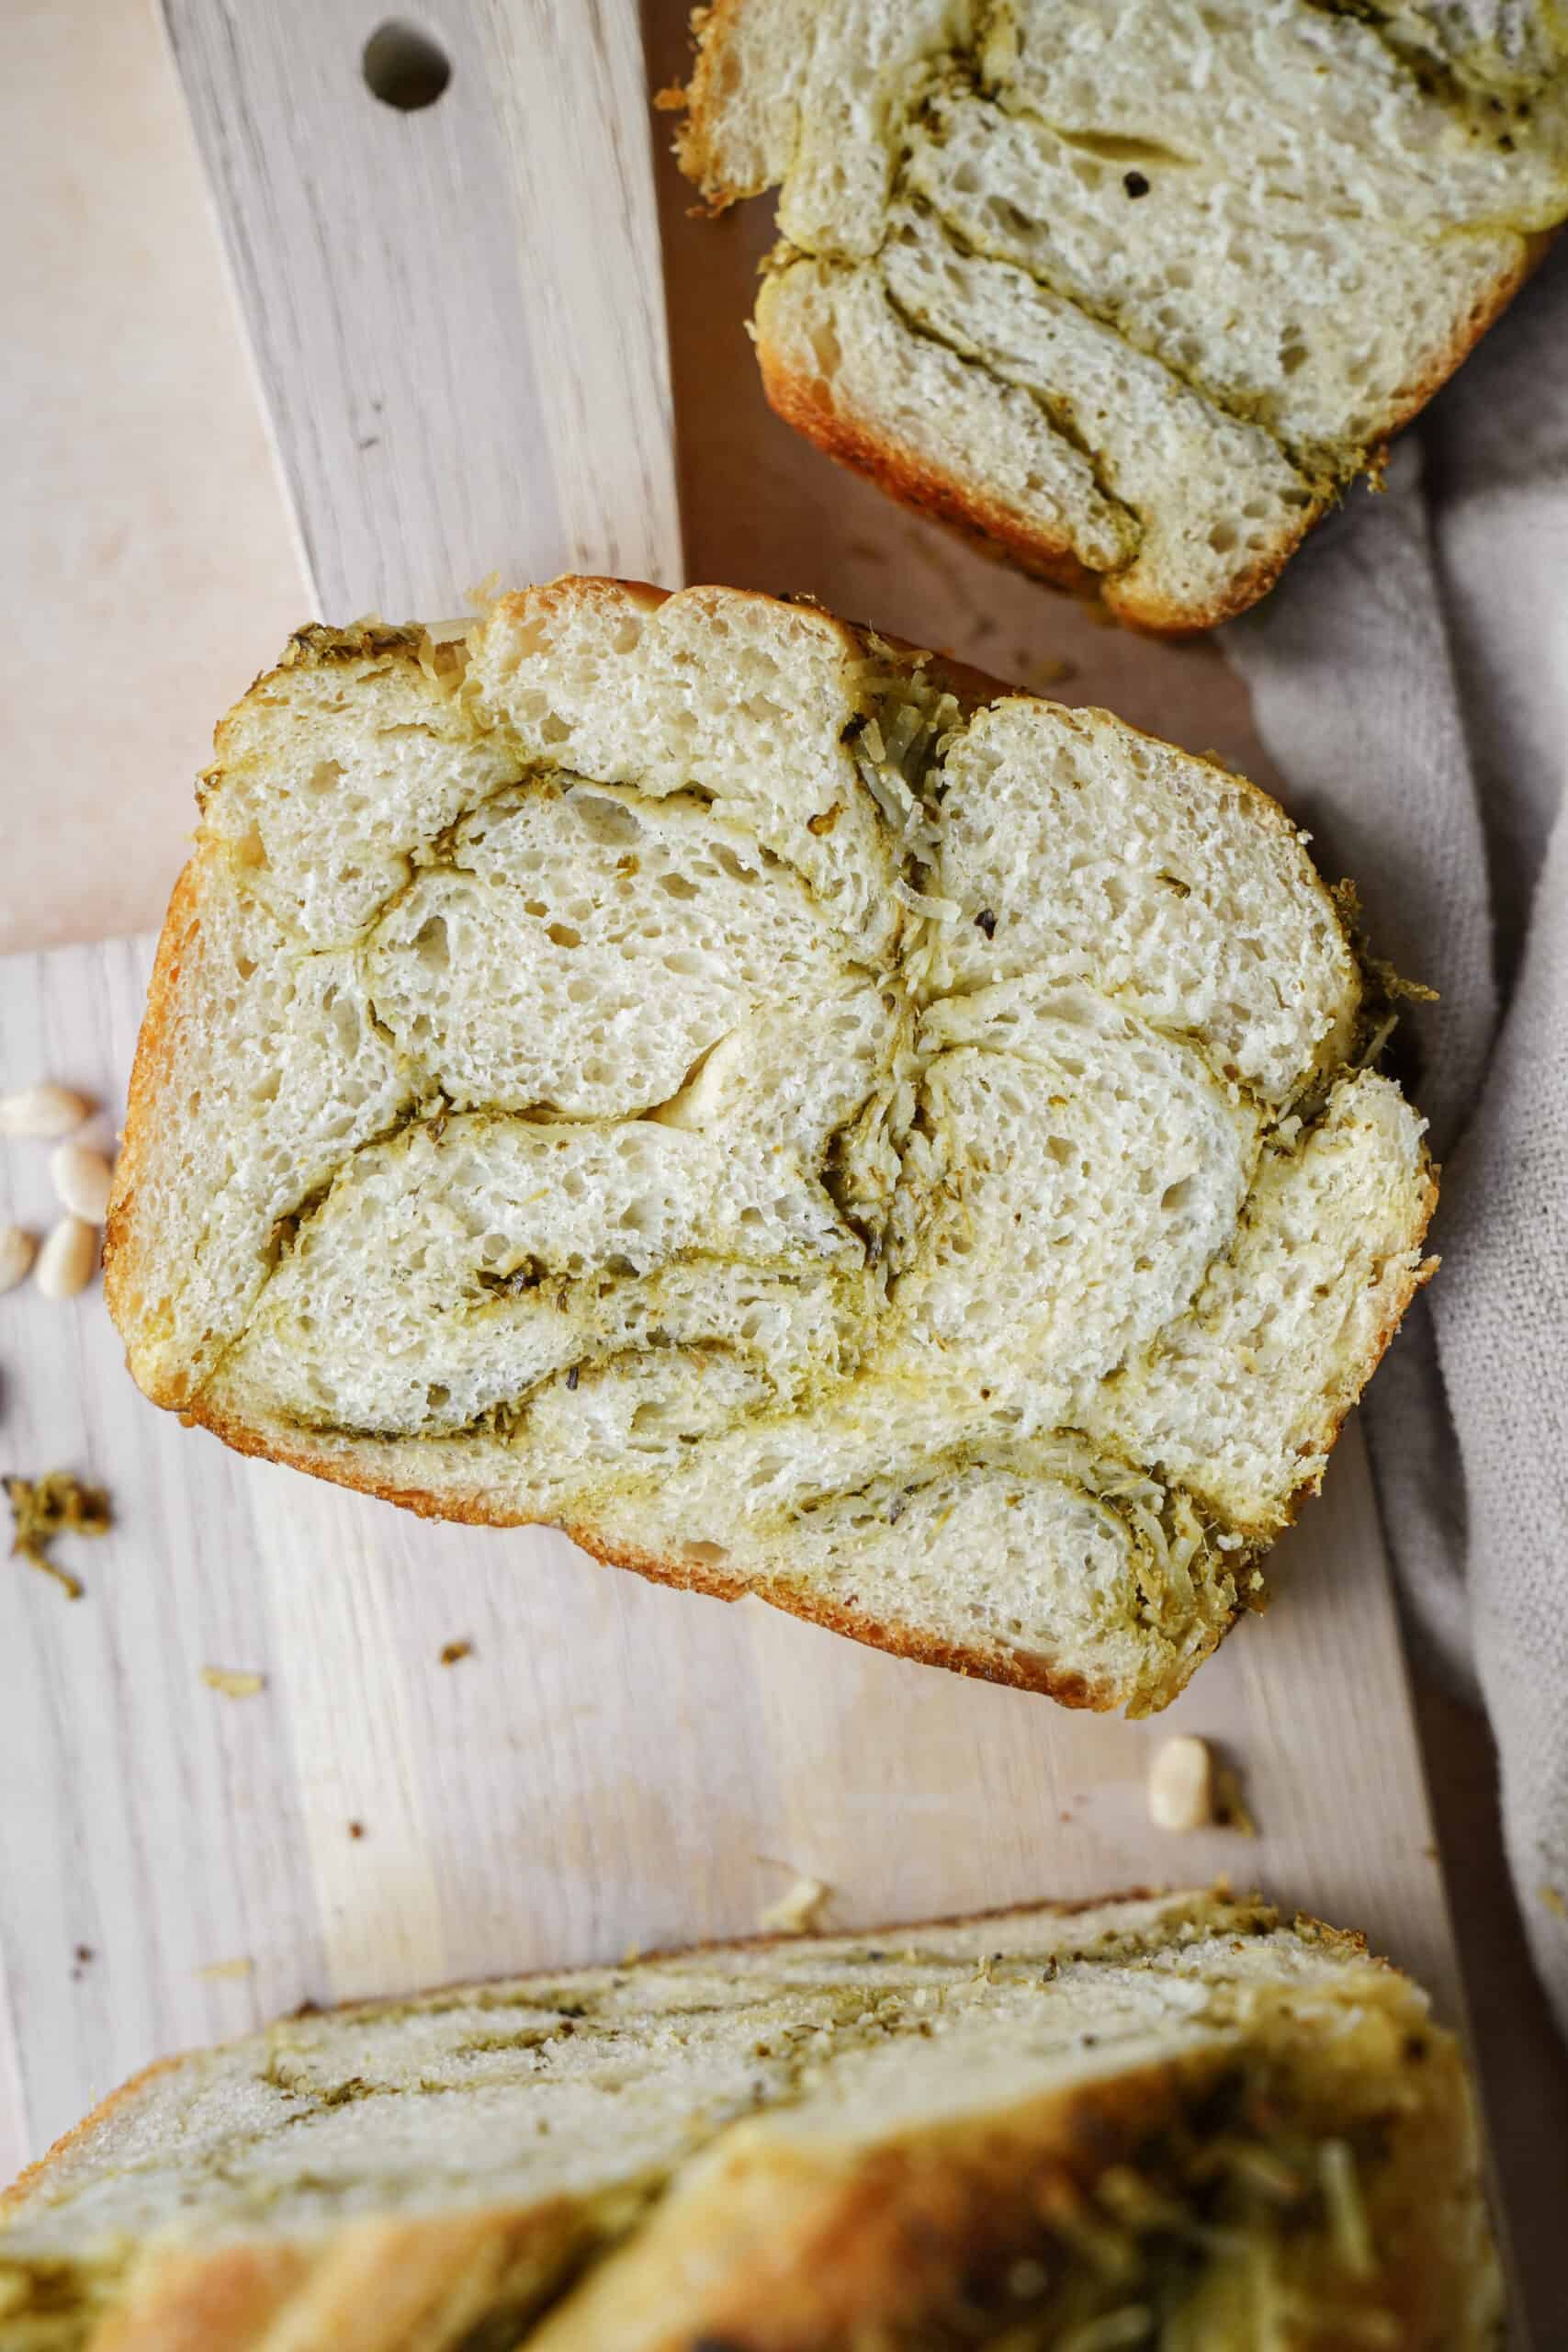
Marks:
<point>1130,291</point>
<point>1172,2122</point>
<point>808,1123</point>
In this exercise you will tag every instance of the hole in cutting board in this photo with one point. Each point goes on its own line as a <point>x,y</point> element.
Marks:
<point>404,68</point>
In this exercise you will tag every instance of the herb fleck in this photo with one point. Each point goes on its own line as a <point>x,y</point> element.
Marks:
<point>1135,184</point>
<point>986,921</point>
<point>56,1504</point>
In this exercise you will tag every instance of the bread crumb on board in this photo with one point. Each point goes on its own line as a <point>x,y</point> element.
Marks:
<point>234,1681</point>
<point>223,1971</point>
<point>796,1912</point>
<point>56,1504</point>
<point>452,1653</point>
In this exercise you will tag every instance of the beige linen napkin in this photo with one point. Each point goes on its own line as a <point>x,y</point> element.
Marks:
<point>1410,676</point>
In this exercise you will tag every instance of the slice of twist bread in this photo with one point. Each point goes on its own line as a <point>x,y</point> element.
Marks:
<point>1169,2121</point>
<point>1130,288</point>
<point>807,1123</point>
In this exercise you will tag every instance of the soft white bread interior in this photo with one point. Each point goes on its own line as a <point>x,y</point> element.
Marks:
<point>1132,290</point>
<point>1169,2121</point>
<point>807,1123</point>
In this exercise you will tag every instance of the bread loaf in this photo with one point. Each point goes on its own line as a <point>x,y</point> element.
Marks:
<point>1131,290</point>
<point>1173,2122</point>
<point>810,1124</point>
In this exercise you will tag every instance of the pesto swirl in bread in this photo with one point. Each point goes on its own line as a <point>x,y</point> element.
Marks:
<point>810,1123</point>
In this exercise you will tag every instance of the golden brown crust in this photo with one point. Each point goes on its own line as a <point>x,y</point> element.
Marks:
<point>786,2246</point>
<point>1483,317</point>
<point>221,2300</point>
<point>1020,1670</point>
<point>368,2286</point>
<point>915,481</point>
<point>32,2176</point>
<point>698,141</point>
<point>177,945</point>
<point>794,2248</point>
<point>918,481</point>
<point>585,588</point>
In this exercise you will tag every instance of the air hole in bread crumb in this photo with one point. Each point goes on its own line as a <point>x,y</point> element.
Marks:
<point>430,945</point>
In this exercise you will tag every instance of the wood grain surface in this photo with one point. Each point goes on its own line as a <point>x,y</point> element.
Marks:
<point>457,321</point>
<point>454,311</point>
<point>612,1764</point>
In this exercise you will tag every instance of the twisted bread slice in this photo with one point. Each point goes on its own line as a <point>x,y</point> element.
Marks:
<point>807,1123</point>
<point>1130,289</point>
<point>1167,2122</point>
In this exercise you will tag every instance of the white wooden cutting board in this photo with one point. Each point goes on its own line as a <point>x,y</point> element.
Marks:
<point>615,1764</point>
<point>456,320</point>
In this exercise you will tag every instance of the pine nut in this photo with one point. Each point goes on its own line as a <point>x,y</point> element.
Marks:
<point>1181,1784</point>
<point>65,1263</point>
<point>45,1110</point>
<point>83,1177</point>
<point>18,1250</point>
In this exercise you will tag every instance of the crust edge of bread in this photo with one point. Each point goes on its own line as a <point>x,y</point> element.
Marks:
<point>317,645</point>
<point>917,482</point>
<point>1012,1669</point>
<point>925,487</point>
<point>950,2181</point>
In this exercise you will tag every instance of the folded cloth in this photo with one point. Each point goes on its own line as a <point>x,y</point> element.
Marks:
<point>1410,678</point>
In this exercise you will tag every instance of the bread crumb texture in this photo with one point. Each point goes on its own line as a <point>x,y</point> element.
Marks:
<point>1130,288</point>
<point>683,1070</point>
<point>1025,2131</point>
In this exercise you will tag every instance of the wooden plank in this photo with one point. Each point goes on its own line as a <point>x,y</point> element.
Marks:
<point>615,1764</point>
<point>456,312</point>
